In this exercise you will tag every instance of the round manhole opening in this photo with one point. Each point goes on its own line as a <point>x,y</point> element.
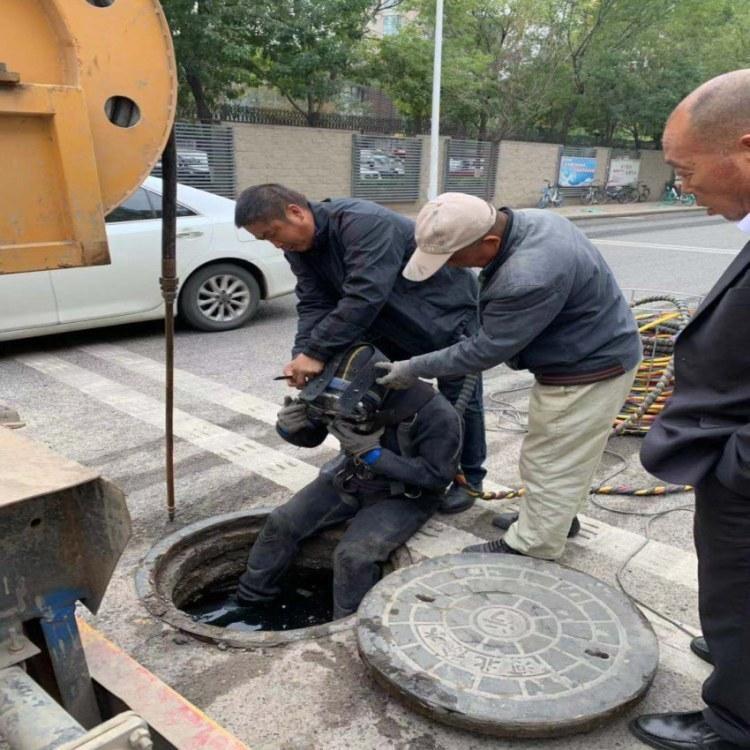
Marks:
<point>193,571</point>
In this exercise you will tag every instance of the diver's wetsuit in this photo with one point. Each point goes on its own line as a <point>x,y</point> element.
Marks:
<point>390,501</point>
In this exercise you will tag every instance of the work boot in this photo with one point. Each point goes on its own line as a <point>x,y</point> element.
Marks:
<point>506,520</point>
<point>234,610</point>
<point>700,648</point>
<point>458,498</point>
<point>497,546</point>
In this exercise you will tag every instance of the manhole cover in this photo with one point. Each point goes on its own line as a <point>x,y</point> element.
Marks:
<point>506,645</point>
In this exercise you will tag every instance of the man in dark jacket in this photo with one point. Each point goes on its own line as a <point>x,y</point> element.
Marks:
<point>347,255</point>
<point>399,451</point>
<point>703,435</point>
<point>549,304</point>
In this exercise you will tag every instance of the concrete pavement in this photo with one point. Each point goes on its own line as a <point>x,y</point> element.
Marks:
<point>98,398</point>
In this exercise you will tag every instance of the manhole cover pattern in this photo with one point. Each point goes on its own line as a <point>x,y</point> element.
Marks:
<point>503,642</point>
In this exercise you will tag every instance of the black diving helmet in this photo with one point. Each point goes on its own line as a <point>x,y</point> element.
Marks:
<point>346,389</point>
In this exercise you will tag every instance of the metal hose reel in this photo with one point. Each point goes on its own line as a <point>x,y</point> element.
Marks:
<point>85,112</point>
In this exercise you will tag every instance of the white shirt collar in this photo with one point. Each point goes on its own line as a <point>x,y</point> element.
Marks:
<point>744,225</point>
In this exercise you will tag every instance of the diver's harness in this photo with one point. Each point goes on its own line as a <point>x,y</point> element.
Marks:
<point>354,478</point>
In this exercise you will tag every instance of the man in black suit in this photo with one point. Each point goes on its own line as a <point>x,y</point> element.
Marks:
<point>703,436</point>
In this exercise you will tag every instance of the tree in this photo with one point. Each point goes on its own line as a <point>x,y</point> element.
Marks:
<point>213,48</point>
<point>401,65</point>
<point>492,81</point>
<point>308,48</point>
<point>633,85</point>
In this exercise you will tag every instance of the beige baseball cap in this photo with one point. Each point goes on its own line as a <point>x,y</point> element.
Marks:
<point>446,224</point>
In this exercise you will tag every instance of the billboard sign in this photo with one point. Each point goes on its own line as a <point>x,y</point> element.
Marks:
<point>577,171</point>
<point>623,171</point>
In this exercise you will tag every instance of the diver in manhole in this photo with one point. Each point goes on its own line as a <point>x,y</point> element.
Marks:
<point>399,451</point>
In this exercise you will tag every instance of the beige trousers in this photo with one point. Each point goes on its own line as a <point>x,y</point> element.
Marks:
<point>568,430</point>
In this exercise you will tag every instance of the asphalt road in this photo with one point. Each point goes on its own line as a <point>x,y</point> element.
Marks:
<point>681,254</point>
<point>97,397</point>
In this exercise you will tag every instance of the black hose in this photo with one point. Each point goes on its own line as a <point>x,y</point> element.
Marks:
<point>467,388</point>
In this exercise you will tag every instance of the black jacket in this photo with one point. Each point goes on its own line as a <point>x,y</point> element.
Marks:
<point>435,441</point>
<point>350,288</point>
<point>705,426</point>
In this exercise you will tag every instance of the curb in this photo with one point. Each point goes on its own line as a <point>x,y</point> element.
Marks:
<point>593,214</point>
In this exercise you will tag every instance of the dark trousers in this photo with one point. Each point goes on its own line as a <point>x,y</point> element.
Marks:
<point>722,540</point>
<point>474,449</point>
<point>378,527</point>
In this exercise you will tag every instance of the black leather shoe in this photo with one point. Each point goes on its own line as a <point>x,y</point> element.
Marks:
<point>687,731</point>
<point>495,545</point>
<point>700,648</point>
<point>506,520</point>
<point>457,499</point>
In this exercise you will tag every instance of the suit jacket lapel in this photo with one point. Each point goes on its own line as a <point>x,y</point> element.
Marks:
<point>737,266</point>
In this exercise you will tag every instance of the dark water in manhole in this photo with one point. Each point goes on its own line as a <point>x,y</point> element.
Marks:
<point>306,599</point>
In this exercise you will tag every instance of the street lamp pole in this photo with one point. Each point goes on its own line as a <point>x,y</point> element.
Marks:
<point>432,189</point>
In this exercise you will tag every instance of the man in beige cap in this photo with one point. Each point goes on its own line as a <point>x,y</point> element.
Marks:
<point>549,304</point>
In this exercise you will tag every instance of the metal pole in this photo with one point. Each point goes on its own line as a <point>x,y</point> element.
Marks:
<point>169,283</point>
<point>432,189</point>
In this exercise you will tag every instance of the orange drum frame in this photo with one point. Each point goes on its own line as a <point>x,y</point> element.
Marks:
<point>88,93</point>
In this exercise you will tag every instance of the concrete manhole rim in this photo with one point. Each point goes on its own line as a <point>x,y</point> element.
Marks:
<point>160,604</point>
<point>379,644</point>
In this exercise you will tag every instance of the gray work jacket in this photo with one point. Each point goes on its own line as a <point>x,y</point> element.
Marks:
<point>550,304</point>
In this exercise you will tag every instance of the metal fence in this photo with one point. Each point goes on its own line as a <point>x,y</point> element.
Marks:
<point>470,167</point>
<point>292,117</point>
<point>386,170</point>
<point>205,158</point>
<point>401,126</point>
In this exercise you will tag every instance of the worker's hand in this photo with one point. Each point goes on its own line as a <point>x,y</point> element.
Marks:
<point>397,374</point>
<point>293,416</point>
<point>301,369</point>
<point>352,442</point>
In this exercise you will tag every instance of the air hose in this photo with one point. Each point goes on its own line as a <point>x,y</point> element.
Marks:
<point>651,390</point>
<point>467,388</point>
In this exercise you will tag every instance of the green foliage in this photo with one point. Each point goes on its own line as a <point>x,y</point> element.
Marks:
<point>212,47</point>
<point>306,48</point>
<point>402,66</point>
<point>606,68</point>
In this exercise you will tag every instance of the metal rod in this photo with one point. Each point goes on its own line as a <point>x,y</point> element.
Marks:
<point>169,283</point>
<point>432,189</point>
<point>29,718</point>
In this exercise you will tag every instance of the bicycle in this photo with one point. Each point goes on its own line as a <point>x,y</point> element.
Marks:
<point>550,196</point>
<point>672,195</point>
<point>636,192</point>
<point>616,193</point>
<point>593,194</point>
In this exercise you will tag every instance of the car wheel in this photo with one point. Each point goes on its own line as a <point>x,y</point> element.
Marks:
<point>219,297</point>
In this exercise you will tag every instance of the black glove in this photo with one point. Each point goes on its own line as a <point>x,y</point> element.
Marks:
<point>292,417</point>
<point>352,442</point>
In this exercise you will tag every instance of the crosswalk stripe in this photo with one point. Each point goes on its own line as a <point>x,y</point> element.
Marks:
<point>194,385</point>
<point>257,458</point>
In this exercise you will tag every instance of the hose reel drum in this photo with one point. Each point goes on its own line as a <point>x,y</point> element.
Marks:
<point>88,93</point>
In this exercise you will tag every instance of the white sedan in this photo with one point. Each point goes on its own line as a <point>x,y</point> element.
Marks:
<point>224,272</point>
